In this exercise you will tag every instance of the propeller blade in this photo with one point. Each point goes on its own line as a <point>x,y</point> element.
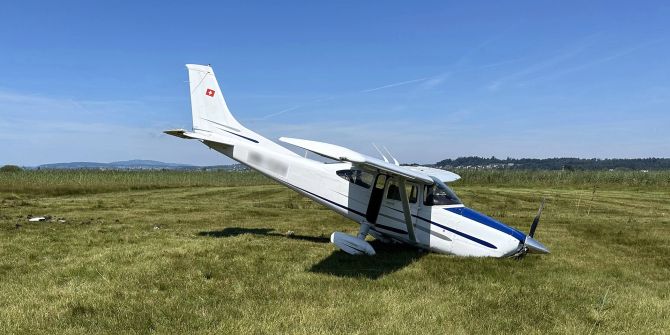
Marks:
<point>536,220</point>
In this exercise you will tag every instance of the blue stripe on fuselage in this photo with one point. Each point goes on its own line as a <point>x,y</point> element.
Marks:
<point>469,237</point>
<point>487,221</point>
<point>459,233</point>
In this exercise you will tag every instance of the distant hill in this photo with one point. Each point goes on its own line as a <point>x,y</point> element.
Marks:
<point>74,165</point>
<point>556,163</point>
<point>136,164</point>
<point>147,163</point>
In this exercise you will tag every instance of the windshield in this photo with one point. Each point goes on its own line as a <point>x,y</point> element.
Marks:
<point>440,194</point>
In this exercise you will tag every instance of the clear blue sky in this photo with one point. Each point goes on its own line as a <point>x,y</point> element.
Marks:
<point>87,81</point>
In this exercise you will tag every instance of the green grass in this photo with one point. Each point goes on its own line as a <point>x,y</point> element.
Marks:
<point>179,252</point>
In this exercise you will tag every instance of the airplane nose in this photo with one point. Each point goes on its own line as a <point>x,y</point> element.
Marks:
<point>535,247</point>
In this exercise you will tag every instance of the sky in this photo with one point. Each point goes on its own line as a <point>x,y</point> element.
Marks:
<point>100,81</point>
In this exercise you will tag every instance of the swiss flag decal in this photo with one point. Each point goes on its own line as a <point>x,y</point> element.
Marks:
<point>210,92</point>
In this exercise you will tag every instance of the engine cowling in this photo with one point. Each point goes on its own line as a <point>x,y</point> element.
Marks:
<point>351,245</point>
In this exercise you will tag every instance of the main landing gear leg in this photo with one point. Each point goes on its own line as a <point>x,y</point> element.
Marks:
<point>363,230</point>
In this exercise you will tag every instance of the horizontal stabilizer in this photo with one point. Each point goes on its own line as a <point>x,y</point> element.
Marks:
<point>181,133</point>
<point>205,136</point>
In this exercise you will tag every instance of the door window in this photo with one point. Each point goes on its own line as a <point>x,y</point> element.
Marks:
<point>393,192</point>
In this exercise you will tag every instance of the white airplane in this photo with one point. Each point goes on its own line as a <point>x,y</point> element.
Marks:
<point>392,203</point>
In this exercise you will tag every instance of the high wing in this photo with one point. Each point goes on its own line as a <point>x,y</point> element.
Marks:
<point>343,154</point>
<point>413,173</point>
<point>443,175</point>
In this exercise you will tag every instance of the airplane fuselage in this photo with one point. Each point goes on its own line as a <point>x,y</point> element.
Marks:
<point>453,229</point>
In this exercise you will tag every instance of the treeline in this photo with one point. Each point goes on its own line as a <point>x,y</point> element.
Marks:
<point>569,164</point>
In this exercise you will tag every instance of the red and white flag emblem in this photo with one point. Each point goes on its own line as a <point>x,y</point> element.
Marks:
<point>210,92</point>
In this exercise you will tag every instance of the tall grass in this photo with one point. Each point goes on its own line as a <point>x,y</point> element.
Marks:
<point>63,182</point>
<point>565,179</point>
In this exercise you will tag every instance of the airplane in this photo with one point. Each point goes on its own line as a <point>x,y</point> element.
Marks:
<point>392,203</point>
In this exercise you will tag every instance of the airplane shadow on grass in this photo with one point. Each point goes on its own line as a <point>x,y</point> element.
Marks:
<point>389,257</point>
<point>236,231</point>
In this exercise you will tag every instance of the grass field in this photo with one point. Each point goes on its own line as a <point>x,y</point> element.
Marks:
<point>207,252</point>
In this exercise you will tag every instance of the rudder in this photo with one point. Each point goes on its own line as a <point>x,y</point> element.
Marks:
<point>208,107</point>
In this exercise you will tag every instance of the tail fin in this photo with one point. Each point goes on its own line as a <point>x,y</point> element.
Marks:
<point>210,112</point>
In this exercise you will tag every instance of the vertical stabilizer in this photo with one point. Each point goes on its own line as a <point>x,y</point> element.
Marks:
<point>210,112</point>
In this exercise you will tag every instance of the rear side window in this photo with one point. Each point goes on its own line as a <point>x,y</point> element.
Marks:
<point>394,192</point>
<point>413,193</point>
<point>358,177</point>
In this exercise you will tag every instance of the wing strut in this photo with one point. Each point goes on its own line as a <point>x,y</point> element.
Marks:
<point>405,210</point>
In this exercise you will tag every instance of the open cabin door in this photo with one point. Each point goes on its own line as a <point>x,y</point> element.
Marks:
<point>376,197</point>
<point>392,212</point>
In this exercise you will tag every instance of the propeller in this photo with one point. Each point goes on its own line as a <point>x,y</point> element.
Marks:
<point>536,220</point>
<point>531,245</point>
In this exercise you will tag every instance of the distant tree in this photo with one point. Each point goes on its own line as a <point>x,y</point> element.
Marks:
<point>566,163</point>
<point>10,168</point>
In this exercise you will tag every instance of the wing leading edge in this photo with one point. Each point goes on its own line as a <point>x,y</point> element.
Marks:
<point>443,175</point>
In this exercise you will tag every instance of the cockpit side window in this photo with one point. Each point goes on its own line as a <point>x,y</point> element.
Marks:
<point>358,177</point>
<point>435,195</point>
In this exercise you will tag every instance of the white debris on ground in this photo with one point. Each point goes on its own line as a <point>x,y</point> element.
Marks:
<point>44,219</point>
<point>39,218</point>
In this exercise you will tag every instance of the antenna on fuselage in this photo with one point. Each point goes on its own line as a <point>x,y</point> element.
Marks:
<point>395,161</point>
<point>380,152</point>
